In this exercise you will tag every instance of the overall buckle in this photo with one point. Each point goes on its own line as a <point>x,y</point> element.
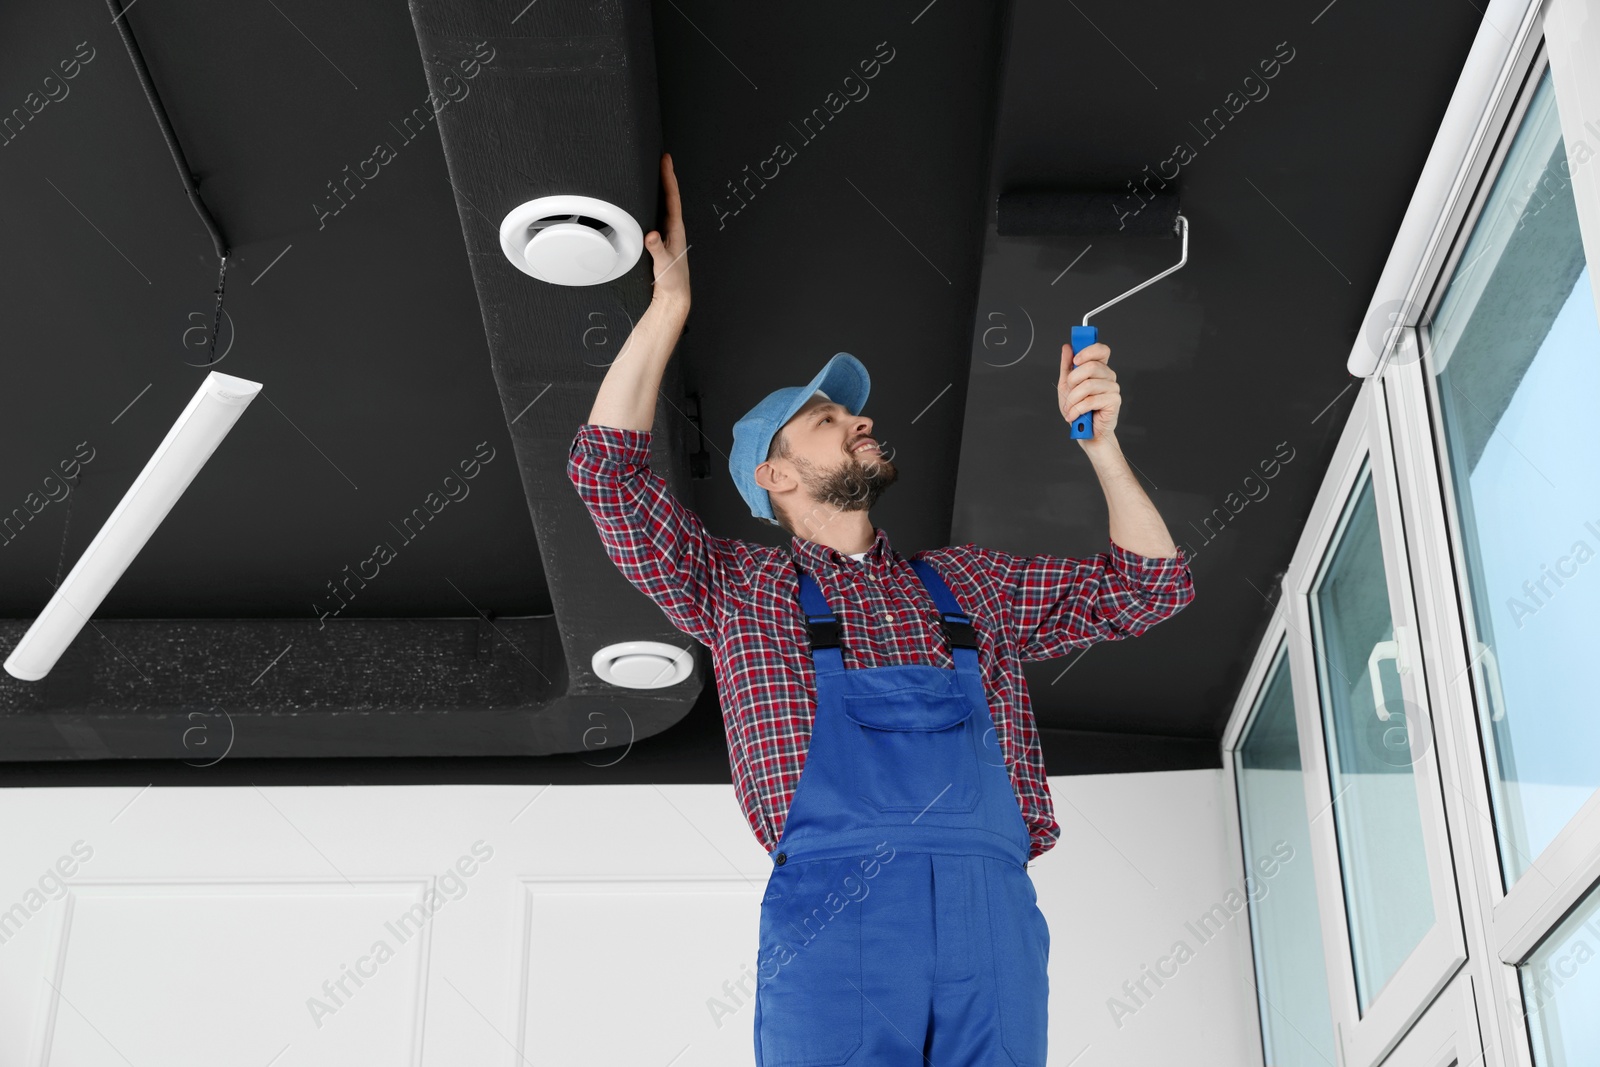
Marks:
<point>959,632</point>
<point>825,632</point>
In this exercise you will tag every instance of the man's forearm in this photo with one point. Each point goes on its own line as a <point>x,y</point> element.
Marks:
<point>1136,525</point>
<point>627,397</point>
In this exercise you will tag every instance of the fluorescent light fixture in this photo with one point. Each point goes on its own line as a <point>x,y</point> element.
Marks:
<point>211,413</point>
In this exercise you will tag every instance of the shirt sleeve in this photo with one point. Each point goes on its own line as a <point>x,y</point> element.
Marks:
<point>1057,603</point>
<point>659,545</point>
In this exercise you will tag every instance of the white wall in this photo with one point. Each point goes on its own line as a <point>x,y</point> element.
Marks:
<point>1141,859</point>
<point>597,925</point>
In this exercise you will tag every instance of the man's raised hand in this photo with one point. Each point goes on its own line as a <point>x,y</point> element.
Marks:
<point>671,265</point>
<point>1091,385</point>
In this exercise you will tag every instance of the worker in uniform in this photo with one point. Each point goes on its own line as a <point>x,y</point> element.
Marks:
<point>879,730</point>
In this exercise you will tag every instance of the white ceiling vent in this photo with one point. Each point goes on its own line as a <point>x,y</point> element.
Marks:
<point>643,664</point>
<point>571,240</point>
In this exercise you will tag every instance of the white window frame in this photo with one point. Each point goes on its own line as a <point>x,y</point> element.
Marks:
<point>1239,722</point>
<point>1363,1040</point>
<point>1499,930</point>
<point>1447,1036</point>
<point>1504,927</point>
<point>1445,664</point>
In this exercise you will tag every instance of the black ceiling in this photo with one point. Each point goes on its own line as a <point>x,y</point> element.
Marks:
<point>392,339</point>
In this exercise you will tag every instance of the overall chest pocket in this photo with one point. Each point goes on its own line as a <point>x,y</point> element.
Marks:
<point>916,751</point>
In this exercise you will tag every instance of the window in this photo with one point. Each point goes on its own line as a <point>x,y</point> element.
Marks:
<point>1291,979</point>
<point>1515,349</point>
<point>1560,988</point>
<point>1377,819</point>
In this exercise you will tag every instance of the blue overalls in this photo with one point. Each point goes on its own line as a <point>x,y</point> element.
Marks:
<point>900,925</point>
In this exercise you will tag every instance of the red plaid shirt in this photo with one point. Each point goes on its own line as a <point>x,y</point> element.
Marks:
<point>741,600</point>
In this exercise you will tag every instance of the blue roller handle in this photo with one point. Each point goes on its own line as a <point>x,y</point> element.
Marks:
<point>1082,427</point>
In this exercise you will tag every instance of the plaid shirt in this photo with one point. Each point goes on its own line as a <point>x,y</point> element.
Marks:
<point>741,600</point>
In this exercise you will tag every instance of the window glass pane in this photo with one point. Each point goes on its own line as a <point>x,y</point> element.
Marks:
<point>1561,988</point>
<point>1516,348</point>
<point>1291,984</point>
<point>1382,860</point>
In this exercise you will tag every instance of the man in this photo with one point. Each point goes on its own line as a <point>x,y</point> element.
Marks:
<point>879,730</point>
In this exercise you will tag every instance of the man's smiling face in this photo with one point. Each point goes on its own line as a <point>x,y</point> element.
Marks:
<point>832,464</point>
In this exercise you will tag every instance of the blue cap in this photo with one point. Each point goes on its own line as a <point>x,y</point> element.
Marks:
<point>844,381</point>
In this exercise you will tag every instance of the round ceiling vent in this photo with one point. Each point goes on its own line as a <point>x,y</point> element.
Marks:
<point>643,664</point>
<point>571,240</point>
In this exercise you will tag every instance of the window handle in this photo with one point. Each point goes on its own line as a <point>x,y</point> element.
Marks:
<point>1491,670</point>
<point>1392,650</point>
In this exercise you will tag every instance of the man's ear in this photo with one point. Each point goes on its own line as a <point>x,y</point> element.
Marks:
<point>767,476</point>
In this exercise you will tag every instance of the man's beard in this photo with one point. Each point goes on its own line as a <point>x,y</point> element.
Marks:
<point>854,485</point>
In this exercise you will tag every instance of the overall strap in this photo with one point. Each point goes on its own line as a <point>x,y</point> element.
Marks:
<point>825,630</point>
<point>824,627</point>
<point>958,629</point>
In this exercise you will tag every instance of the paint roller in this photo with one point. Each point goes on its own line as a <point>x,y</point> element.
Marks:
<point>1064,213</point>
